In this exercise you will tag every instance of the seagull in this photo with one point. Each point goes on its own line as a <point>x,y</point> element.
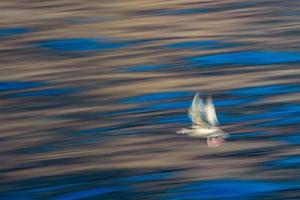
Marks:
<point>204,122</point>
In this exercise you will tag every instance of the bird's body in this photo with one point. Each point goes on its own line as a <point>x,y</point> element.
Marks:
<point>204,119</point>
<point>198,131</point>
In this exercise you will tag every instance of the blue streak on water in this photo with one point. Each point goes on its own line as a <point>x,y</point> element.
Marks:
<point>284,115</point>
<point>295,139</point>
<point>79,45</point>
<point>226,189</point>
<point>192,44</point>
<point>198,45</point>
<point>234,119</point>
<point>167,106</point>
<point>292,161</point>
<point>265,90</point>
<point>248,135</point>
<point>148,177</point>
<point>98,130</point>
<point>155,97</point>
<point>172,119</point>
<point>188,11</point>
<point>19,85</point>
<point>281,116</point>
<point>31,193</point>
<point>235,102</point>
<point>50,188</point>
<point>90,193</point>
<point>291,110</point>
<point>243,118</point>
<point>144,68</point>
<point>13,31</point>
<point>15,197</point>
<point>283,121</point>
<point>247,58</point>
<point>44,93</point>
<point>40,148</point>
<point>290,13</point>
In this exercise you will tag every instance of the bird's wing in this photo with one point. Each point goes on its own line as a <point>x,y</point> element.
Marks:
<point>196,111</point>
<point>210,111</point>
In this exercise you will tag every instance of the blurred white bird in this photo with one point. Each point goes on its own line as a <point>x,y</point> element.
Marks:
<point>205,122</point>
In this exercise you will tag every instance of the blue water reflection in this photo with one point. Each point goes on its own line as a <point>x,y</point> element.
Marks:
<point>292,161</point>
<point>247,135</point>
<point>245,58</point>
<point>148,177</point>
<point>202,45</point>
<point>19,85</point>
<point>79,45</point>
<point>145,68</point>
<point>156,97</point>
<point>14,89</point>
<point>292,139</point>
<point>44,92</point>
<point>171,119</point>
<point>13,31</point>
<point>227,189</point>
<point>266,90</point>
<point>90,193</point>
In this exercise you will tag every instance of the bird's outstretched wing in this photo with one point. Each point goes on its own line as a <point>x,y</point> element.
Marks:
<point>210,112</point>
<point>196,111</point>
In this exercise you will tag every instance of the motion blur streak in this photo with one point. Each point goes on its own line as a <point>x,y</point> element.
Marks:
<point>93,92</point>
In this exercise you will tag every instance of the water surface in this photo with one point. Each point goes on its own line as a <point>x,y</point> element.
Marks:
<point>92,95</point>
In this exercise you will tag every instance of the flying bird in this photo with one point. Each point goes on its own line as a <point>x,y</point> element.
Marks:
<point>204,122</point>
